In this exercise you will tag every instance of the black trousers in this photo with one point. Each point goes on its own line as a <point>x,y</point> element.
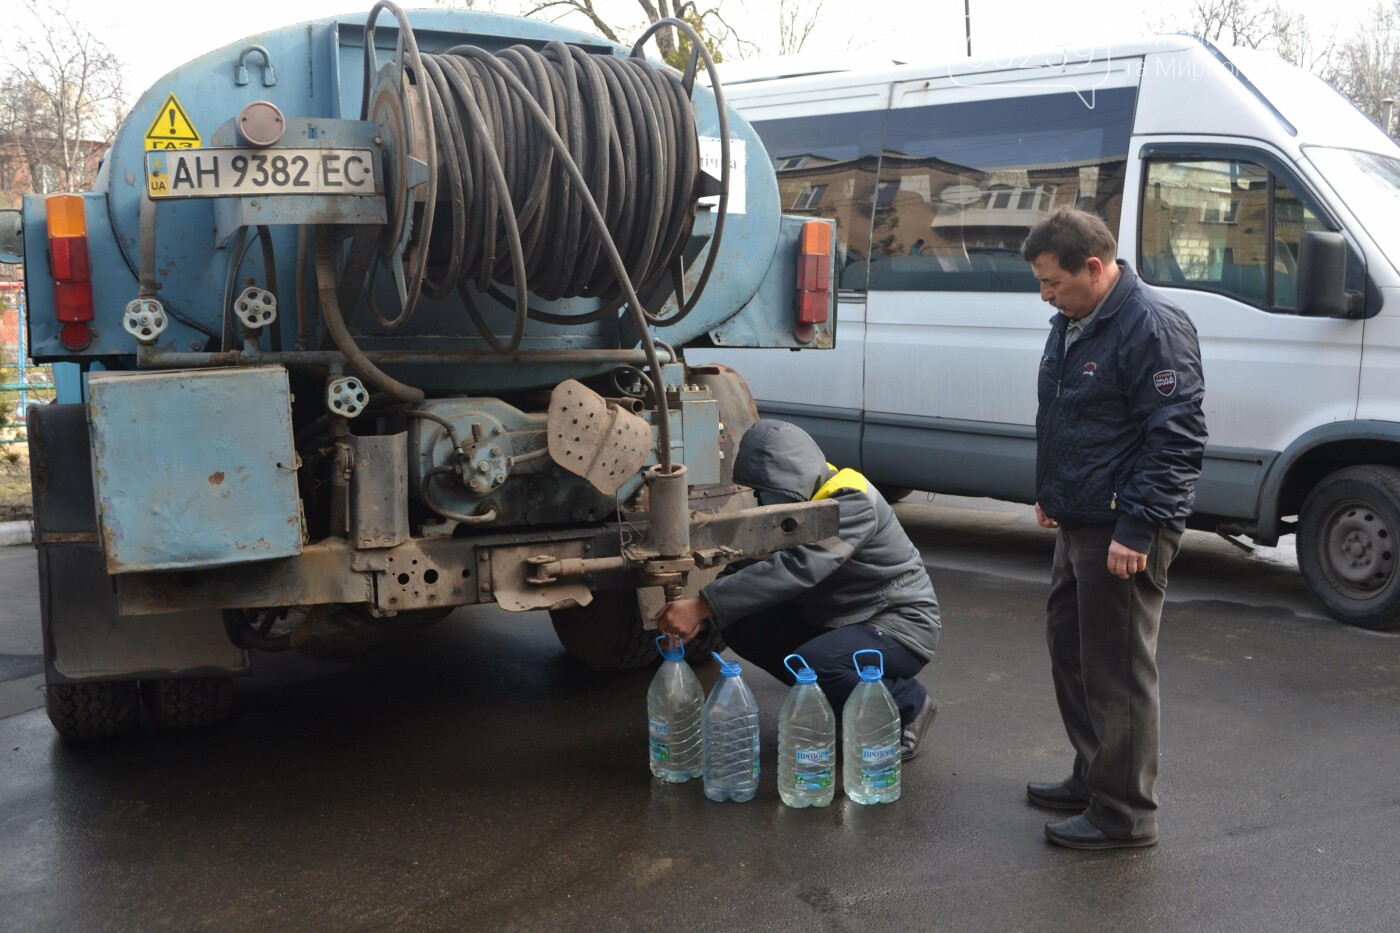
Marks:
<point>1102,632</point>
<point>766,638</point>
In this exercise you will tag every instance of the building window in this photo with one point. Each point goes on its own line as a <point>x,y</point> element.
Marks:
<point>886,194</point>
<point>810,197</point>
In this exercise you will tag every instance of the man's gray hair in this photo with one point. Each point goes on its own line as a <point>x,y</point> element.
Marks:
<point>1071,236</point>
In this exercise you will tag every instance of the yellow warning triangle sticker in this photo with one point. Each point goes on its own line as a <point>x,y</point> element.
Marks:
<point>172,128</point>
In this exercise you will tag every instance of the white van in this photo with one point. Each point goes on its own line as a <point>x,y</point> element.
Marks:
<point>1211,164</point>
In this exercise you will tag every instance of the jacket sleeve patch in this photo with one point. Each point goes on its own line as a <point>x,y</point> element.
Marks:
<point>1165,382</point>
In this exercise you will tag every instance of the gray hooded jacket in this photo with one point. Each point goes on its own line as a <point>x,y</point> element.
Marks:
<point>869,572</point>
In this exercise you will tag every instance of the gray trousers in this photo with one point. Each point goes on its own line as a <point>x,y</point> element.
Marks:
<point>1102,632</point>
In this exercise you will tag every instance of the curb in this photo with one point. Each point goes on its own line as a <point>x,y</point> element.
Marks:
<point>16,533</point>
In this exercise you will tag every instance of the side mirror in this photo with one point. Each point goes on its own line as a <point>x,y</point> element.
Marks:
<point>1322,271</point>
<point>11,237</point>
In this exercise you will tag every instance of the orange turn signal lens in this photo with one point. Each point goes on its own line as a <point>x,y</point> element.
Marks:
<point>67,215</point>
<point>816,238</point>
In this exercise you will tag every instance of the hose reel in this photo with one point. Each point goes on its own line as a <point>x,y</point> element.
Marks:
<point>588,165</point>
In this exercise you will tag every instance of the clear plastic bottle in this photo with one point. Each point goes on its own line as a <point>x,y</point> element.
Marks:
<point>731,737</point>
<point>674,703</point>
<point>806,742</point>
<point>870,740</point>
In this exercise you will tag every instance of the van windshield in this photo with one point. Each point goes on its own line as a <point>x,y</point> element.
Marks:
<point>1370,186</point>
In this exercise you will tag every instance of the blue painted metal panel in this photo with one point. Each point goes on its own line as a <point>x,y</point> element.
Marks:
<point>194,469</point>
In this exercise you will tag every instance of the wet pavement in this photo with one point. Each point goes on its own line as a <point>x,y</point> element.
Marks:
<point>474,777</point>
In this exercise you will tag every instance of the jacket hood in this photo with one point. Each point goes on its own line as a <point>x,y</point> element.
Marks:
<point>782,459</point>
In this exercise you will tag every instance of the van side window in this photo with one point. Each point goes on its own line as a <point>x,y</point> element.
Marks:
<point>1225,225</point>
<point>826,167</point>
<point>962,183</point>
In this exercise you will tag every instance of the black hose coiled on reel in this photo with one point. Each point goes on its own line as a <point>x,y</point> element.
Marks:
<point>622,130</point>
<point>628,127</point>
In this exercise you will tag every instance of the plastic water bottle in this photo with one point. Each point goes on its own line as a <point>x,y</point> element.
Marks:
<point>806,742</point>
<point>674,702</point>
<point>731,737</point>
<point>870,727</point>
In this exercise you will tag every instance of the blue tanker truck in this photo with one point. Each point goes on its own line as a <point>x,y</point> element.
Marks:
<point>379,319</point>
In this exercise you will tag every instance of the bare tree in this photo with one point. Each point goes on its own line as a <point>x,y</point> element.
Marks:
<point>1233,22</point>
<point>1258,25</point>
<point>1300,41</point>
<point>60,97</point>
<point>1368,65</point>
<point>796,20</point>
<point>709,21</point>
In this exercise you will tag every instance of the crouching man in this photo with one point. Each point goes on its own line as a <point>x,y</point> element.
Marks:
<point>864,588</point>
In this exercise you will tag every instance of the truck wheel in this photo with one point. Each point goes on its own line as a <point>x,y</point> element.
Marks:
<point>737,410</point>
<point>607,634</point>
<point>1347,545</point>
<point>188,702</point>
<point>97,709</point>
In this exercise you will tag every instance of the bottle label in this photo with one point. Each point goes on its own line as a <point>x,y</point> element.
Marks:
<point>660,751</point>
<point>658,726</point>
<point>874,754</point>
<point>812,780</point>
<point>814,756</point>
<point>879,766</point>
<point>887,776</point>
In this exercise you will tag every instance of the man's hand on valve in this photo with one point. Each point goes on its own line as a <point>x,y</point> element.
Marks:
<point>684,618</point>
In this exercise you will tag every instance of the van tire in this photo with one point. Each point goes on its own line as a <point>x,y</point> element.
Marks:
<point>188,702</point>
<point>95,709</point>
<point>608,635</point>
<point>1349,545</point>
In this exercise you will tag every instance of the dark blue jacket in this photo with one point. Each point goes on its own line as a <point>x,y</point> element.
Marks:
<point>1119,432</point>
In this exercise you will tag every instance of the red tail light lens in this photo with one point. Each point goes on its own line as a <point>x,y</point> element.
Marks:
<point>814,273</point>
<point>72,273</point>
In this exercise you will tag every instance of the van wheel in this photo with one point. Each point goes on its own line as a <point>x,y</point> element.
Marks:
<point>188,702</point>
<point>1347,545</point>
<point>97,709</point>
<point>894,494</point>
<point>607,634</point>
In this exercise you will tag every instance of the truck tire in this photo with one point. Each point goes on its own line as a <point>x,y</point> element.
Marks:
<point>1348,545</point>
<point>97,709</point>
<point>737,410</point>
<point>188,702</point>
<point>607,634</point>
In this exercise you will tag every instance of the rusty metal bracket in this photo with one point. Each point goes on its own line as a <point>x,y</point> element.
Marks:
<point>520,581</point>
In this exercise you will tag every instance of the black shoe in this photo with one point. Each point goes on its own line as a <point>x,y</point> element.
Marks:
<point>1078,832</point>
<point>1055,797</point>
<point>913,735</point>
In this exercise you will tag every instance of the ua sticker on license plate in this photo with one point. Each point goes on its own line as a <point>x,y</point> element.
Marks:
<point>217,173</point>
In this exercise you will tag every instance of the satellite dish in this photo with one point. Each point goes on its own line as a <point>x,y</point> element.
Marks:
<point>961,195</point>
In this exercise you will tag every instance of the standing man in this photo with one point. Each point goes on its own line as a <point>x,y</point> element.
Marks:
<point>1119,440</point>
<point>864,587</point>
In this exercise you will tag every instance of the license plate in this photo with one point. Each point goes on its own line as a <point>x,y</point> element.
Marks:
<point>218,173</point>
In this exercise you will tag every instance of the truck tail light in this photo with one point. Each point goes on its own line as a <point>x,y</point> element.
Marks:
<point>814,273</point>
<point>68,263</point>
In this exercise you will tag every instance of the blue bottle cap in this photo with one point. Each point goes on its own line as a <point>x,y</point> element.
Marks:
<point>804,676</point>
<point>869,672</point>
<point>671,648</point>
<point>727,668</point>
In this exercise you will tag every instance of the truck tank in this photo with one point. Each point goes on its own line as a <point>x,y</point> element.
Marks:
<point>381,317</point>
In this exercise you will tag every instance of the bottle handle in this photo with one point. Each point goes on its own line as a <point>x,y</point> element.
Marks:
<point>873,651</point>
<point>668,642</point>
<point>805,665</point>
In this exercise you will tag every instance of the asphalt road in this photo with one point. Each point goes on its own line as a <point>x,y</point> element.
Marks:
<point>474,777</point>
